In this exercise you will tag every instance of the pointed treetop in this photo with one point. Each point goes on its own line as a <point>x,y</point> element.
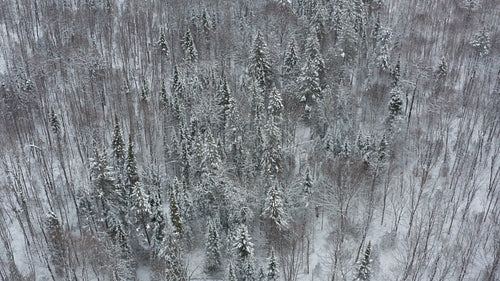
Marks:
<point>272,267</point>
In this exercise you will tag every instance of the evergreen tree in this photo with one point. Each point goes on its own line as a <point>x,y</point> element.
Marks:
<point>118,146</point>
<point>383,47</point>
<point>171,255</point>
<point>275,107</point>
<point>132,176</point>
<point>260,66</point>
<point>55,124</point>
<point>383,148</point>
<point>213,256</point>
<point>177,83</point>
<point>175,215</point>
<point>274,210</point>
<point>178,93</point>
<point>350,17</point>
<point>318,24</point>
<point>395,104</point>
<point>144,92</point>
<point>206,24</point>
<point>364,271</point>
<point>291,59</point>
<point>158,223</point>
<point>162,44</point>
<point>102,176</point>
<point>272,268</point>
<point>225,103</point>
<point>308,183</point>
<point>189,47</point>
<point>140,208</point>
<point>211,162</point>
<point>163,96</point>
<point>396,74</point>
<point>56,243</point>
<point>231,274</point>
<point>311,72</point>
<point>272,154</point>
<point>442,69</point>
<point>243,246</point>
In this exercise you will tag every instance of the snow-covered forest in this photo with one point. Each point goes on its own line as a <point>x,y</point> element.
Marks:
<point>250,140</point>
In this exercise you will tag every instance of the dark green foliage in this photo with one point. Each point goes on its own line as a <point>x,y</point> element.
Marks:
<point>213,260</point>
<point>175,215</point>
<point>364,271</point>
<point>311,72</point>
<point>231,274</point>
<point>132,176</point>
<point>141,212</point>
<point>118,145</point>
<point>56,242</point>
<point>291,59</point>
<point>260,65</point>
<point>225,103</point>
<point>191,54</point>
<point>162,44</point>
<point>308,183</point>
<point>144,92</point>
<point>272,268</point>
<point>55,124</point>
<point>395,104</point>
<point>442,69</point>
<point>396,74</point>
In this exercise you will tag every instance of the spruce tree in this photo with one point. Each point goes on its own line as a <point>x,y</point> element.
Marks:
<point>132,176</point>
<point>311,72</point>
<point>175,215</point>
<point>225,104</point>
<point>189,47</point>
<point>272,268</point>
<point>260,66</point>
<point>158,222</point>
<point>274,210</point>
<point>383,148</point>
<point>163,96</point>
<point>364,271</point>
<point>308,183</point>
<point>171,254</point>
<point>162,44</point>
<point>178,93</point>
<point>243,246</point>
<point>291,59</point>
<point>231,274</point>
<point>213,261</point>
<point>144,92</point>
<point>118,146</point>
<point>56,243</point>
<point>272,154</point>
<point>206,24</point>
<point>102,176</point>
<point>275,107</point>
<point>141,212</point>
<point>396,74</point>
<point>395,104</point>
<point>442,69</point>
<point>55,124</point>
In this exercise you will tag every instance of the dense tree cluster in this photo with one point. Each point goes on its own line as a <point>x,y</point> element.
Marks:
<point>249,140</point>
